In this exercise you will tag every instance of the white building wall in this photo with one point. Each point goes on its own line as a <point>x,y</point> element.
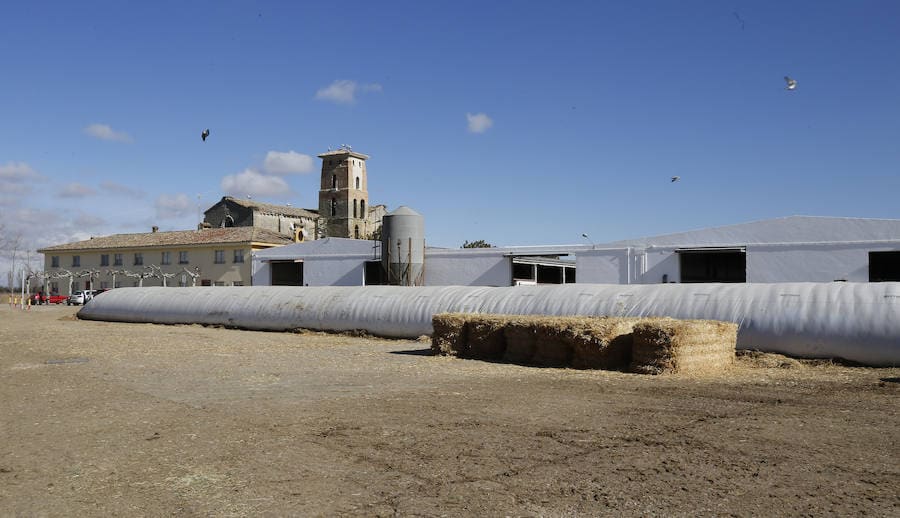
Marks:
<point>765,263</point>
<point>334,271</point>
<point>810,263</point>
<point>601,266</point>
<point>467,270</point>
<point>319,271</point>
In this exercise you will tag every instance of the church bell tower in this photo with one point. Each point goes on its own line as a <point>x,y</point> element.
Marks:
<point>343,194</point>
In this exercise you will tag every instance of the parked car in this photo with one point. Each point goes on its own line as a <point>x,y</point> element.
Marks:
<point>80,297</point>
<point>57,299</point>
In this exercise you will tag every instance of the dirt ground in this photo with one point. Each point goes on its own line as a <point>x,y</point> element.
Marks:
<point>101,419</point>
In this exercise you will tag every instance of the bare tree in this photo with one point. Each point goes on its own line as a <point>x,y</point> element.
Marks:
<point>157,272</point>
<point>194,274</point>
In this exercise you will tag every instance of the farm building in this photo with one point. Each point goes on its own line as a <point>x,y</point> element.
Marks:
<point>790,249</point>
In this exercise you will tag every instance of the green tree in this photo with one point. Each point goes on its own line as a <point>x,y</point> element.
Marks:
<point>481,243</point>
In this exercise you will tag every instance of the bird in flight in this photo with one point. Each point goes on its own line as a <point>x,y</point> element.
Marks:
<point>791,83</point>
<point>676,178</point>
<point>204,134</point>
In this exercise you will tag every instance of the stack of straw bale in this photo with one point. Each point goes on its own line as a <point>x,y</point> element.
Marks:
<point>648,346</point>
<point>666,345</point>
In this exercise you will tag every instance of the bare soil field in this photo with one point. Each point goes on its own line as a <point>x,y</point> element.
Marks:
<point>110,419</point>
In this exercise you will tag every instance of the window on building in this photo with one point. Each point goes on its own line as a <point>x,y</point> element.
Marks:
<point>357,182</point>
<point>183,257</point>
<point>219,283</point>
<point>334,181</point>
<point>362,208</point>
<point>76,260</point>
<point>333,207</point>
<point>884,266</point>
<point>138,259</point>
<point>286,273</point>
<point>54,261</point>
<point>166,258</point>
<point>220,257</point>
<point>374,274</point>
<point>117,259</point>
<point>239,256</point>
<point>237,283</point>
<point>104,259</point>
<point>356,232</point>
<point>524,272</point>
<point>54,287</point>
<point>354,209</point>
<point>549,274</point>
<point>75,286</point>
<point>205,282</point>
<point>725,265</point>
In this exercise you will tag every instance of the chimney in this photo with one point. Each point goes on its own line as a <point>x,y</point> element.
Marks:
<point>155,228</point>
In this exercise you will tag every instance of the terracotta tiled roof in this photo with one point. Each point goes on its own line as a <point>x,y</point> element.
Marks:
<point>285,210</point>
<point>207,236</point>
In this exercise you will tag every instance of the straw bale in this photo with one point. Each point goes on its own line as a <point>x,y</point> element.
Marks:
<point>521,340</point>
<point>449,336</point>
<point>554,341</point>
<point>667,345</point>
<point>603,343</point>
<point>484,336</point>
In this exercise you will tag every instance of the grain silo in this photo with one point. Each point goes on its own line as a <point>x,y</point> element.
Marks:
<point>403,247</point>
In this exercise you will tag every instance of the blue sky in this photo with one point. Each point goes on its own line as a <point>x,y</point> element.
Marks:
<point>514,122</point>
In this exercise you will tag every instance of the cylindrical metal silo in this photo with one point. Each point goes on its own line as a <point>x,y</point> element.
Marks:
<point>403,247</point>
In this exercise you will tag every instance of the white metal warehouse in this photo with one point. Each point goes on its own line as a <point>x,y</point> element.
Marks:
<point>790,249</point>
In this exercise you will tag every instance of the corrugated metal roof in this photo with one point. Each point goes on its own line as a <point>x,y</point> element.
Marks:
<point>207,236</point>
<point>791,229</point>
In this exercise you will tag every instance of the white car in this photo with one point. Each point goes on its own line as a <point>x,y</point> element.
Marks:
<point>80,297</point>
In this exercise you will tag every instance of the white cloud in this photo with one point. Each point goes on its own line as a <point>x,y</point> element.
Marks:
<point>479,122</point>
<point>343,91</point>
<point>15,182</point>
<point>104,132</point>
<point>173,206</point>
<point>253,183</point>
<point>76,190</point>
<point>17,172</point>
<point>124,190</point>
<point>290,162</point>
<point>87,220</point>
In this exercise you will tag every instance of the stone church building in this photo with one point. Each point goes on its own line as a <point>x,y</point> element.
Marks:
<point>344,209</point>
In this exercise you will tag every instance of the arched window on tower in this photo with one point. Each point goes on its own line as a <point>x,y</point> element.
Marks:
<point>334,181</point>
<point>357,182</point>
<point>354,209</point>
<point>362,209</point>
<point>333,207</point>
<point>356,232</point>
